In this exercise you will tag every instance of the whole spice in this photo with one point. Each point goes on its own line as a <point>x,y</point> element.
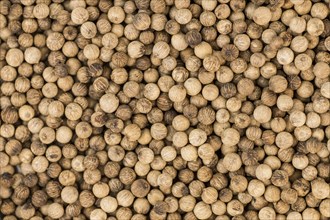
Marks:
<point>164,109</point>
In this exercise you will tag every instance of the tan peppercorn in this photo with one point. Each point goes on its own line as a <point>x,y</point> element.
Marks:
<point>278,84</point>
<point>116,15</point>
<point>141,21</point>
<point>108,204</point>
<point>202,210</point>
<point>109,103</point>
<point>262,114</point>
<point>235,207</point>
<point>320,189</point>
<point>55,210</point>
<point>262,15</point>
<point>232,162</point>
<point>14,57</point>
<point>88,30</point>
<point>315,26</point>
<point>324,207</point>
<point>32,55</point>
<point>158,131</point>
<point>79,15</point>
<point>98,214</point>
<point>69,194</point>
<point>125,198</point>
<point>55,41</point>
<point>267,213</point>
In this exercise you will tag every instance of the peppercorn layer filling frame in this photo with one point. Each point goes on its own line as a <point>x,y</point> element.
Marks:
<point>164,109</point>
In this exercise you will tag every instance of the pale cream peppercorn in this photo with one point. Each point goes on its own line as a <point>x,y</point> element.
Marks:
<point>262,114</point>
<point>267,213</point>
<point>203,50</point>
<point>41,11</point>
<point>109,103</point>
<point>91,51</point>
<point>262,15</point>
<point>202,210</point>
<point>47,135</point>
<point>210,92</point>
<point>177,93</point>
<point>324,208</point>
<point>108,204</point>
<point>197,137</point>
<point>285,56</point>
<point>232,162</point>
<point>189,153</point>
<point>55,210</point>
<point>98,214</point>
<point>193,86</point>
<point>79,15</point>
<point>320,189</point>
<point>161,50</point>
<point>116,14</point>
<point>69,194</point>
<point>88,29</point>
<point>315,26</point>
<point>230,137</point>
<point>32,55</point>
<point>235,207</point>
<point>256,188</point>
<point>100,190</point>
<point>146,155</point>
<point>14,57</point>
<point>168,153</point>
<point>325,90</point>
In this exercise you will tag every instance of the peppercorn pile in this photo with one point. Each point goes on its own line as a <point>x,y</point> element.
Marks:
<point>165,109</point>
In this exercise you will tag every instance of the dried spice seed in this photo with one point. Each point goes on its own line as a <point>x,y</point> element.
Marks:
<point>164,109</point>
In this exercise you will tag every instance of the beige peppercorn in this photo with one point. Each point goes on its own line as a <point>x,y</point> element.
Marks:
<point>69,194</point>
<point>278,84</point>
<point>202,50</point>
<point>14,57</point>
<point>267,213</point>
<point>262,15</point>
<point>79,15</point>
<point>177,93</point>
<point>98,214</point>
<point>232,162</point>
<point>109,103</point>
<point>315,26</point>
<point>116,14</point>
<point>55,41</point>
<point>161,50</point>
<point>235,207</point>
<point>178,42</point>
<point>158,131</point>
<point>320,189</point>
<point>32,55</point>
<point>88,30</point>
<point>197,137</point>
<point>55,210</point>
<point>108,204</point>
<point>125,198</point>
<point>230,137</point>
<point>202,210</point>
<point>91,51</point>
<point>262,114</point>
<point>141,21</point>
<point>101,190</point>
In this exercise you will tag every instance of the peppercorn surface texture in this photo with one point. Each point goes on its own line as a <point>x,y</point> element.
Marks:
<point>165,109</point>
